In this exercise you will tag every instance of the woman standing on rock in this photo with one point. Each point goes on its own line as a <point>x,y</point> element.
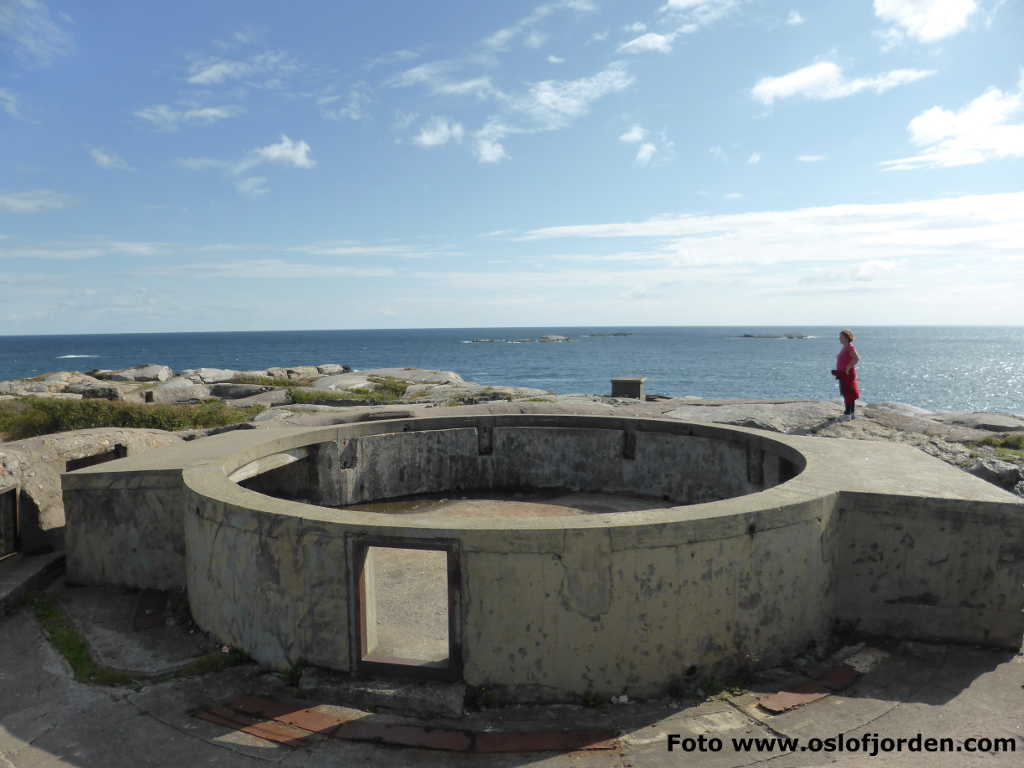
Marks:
<point>846,372</point>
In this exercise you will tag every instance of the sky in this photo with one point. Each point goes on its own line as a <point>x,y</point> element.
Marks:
<point>250,165</point>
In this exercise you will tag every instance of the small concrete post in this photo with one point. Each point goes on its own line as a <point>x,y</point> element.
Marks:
<point>626,386</point>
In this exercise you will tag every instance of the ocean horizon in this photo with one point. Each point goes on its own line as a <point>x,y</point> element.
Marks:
<point>948,368</point>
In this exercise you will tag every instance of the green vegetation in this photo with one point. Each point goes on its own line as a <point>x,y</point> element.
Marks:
<point>386,389</point>
<point>32,416</point>
<point>1007,446</point>
<point>69,643</point>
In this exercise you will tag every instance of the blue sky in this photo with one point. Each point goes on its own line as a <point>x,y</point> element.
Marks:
<point>240,165</point>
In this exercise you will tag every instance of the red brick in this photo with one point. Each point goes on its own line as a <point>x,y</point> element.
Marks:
<point>269,730</point>
<point>308,719</point>
<point>786,700</point>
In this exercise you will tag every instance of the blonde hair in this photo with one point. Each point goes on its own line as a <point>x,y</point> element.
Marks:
<point>847,333</point>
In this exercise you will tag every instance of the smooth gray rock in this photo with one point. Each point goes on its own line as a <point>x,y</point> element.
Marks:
<point>269,398</point>
<point>302,372</point>
<point>209,375</point>
<point>773,415</point>
<point>137,373</point>
<point>235,391</point>
<point>179,390</point>
<point>990,422</point>
<point>1001,473</point>
<point>332,369</point>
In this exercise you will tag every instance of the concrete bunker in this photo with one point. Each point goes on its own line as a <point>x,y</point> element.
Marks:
<point>760,545</point>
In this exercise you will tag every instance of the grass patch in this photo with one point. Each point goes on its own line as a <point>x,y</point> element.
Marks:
<point>33,416</point>
<point>69,643</point>
<point>386,389</point>
<point>1007,446</point>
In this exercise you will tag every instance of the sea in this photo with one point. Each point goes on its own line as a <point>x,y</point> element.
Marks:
<point>937,368</point>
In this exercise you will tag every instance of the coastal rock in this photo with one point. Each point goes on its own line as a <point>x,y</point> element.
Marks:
<point>417,375</point>
<point>990,422</point>
<point>272,397</point>
<point>35,465</point>
<point>302,372</point>
<point>277,373</point>
<point>553,337</point>
<point>332,369</point>
<point>790,416</point>
<point>235,391</point>
<point>343,381</point>
<point>137,373</point>
<point>1002,473</point>
<point>179,389</point>
<point>209,375</point>
<point>467,392</point>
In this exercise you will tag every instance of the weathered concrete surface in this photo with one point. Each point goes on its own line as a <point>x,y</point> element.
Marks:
<point>35,466</point>
<point>616,602</point>
<point>47,720</point>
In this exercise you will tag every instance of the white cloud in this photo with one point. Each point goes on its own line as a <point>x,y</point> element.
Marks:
<point>553,104</point>
<point>825,80</point>
<point>287,152</point>
<point>733,195</point>
<point>525,27</point>
<point>201,163</point>
<point>276,269</point>
<point>646,153</point>
<point>439,131</point>
<point>167,118</point>
<point>810,158</point>
<point>32,202</point>
<point>214,71</point>
<point>649,146</point>
<point>652,41</point>
<point>35,37</point>
<point>979,132</point>
<point>927,21</point>
<point>435,76</point>
<point>635,134</point>
<point>488,146</point>
<point>700,12</point>
<point>718,152</point>
<point>794,19</point>
<point>535,39</point>
<point>481,87</point>
<point>349,107</point>
<point>9,102</point>
<point>106,159</point>
<point>252,186</point>
<point>636,27</point>
<point>754,159</point>
<point>552,59</point>
<point>878,242</point>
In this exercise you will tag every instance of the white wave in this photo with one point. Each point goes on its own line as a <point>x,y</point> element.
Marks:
<point>65,357</point>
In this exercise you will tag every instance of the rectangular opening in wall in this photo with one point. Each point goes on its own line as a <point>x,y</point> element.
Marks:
<point>8,522</point>
<point>407,605</point>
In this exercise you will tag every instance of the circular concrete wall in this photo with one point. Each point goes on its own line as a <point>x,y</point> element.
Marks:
<point>545,608</point>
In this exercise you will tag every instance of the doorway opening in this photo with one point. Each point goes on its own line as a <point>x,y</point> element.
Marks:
<point>407,608</point>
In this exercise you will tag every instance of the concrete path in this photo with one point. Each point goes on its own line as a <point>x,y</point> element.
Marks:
<point>48,720</point>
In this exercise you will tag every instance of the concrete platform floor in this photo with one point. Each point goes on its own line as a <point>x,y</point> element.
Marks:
<point>47,719</point>
<point>522,504</point>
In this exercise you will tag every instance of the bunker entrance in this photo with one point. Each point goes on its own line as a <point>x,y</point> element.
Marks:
<point>407,609</point>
